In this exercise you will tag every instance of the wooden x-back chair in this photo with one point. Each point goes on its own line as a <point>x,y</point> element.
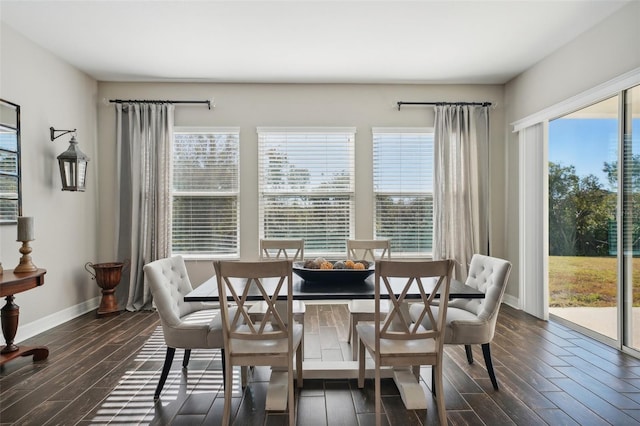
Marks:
<point>396,340</point>
<point>273,338</point>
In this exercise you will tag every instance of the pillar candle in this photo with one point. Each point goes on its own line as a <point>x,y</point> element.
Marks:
<point>25,228</point>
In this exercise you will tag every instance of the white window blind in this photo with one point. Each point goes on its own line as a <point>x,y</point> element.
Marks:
<point>306,184</point>
<point>205,192</point>
<point>403,189</point>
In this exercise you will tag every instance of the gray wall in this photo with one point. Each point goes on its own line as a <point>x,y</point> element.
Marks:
<point>601,54</point>
<point>251,105</point>
<point>50,92</point>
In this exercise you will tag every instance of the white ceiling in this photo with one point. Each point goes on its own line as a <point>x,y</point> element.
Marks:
<point>428,41</point>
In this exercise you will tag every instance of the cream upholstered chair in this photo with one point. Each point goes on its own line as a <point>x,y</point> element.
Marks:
<point>186,325</point>
<point>473,321</point>
<point>273,338</point>
<point>362,310</point>
<point>396,340</point>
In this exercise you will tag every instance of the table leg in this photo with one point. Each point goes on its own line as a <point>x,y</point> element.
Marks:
<point>277,391</point>
<point>410,390</point>
<point>9,315</point>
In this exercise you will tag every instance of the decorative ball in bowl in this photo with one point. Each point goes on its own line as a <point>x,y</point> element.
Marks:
<point>337,271</point>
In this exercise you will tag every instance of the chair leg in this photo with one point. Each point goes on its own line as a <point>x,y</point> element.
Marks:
<point>487,360</point>
<point>433,380</point>
<point>353,336</point>
<point>467,349</point>
<point>228,374</point>
<point>361,364</point>
<point>378,396</point>
<point>439,393</point>
<point>299,357</point>
<point>185,360</point>
<point>224,376</point>
<point>168,359</point>
<point>300,319</point>
<point>416,372</point>
<point>244,376</point>
<point>291,394</point>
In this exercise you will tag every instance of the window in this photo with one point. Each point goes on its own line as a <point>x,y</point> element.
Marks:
<point>205,192</point>
<point>403,189</point>
<point>306,185</point>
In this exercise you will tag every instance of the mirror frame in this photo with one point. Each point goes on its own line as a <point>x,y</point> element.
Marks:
<point>8,127</point>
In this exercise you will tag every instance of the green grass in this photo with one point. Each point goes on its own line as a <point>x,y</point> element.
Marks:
<point>587,281</point>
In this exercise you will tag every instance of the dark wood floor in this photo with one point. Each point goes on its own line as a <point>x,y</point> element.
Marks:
<point>104,371</point>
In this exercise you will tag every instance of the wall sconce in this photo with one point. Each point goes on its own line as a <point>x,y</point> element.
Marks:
<point>73,163</point>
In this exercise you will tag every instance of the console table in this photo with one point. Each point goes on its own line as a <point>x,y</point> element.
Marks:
<point>10,284</point>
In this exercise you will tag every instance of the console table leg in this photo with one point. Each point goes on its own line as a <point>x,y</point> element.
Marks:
<point>10,313</point>
<point>39,353</point>
<point>12,282</point>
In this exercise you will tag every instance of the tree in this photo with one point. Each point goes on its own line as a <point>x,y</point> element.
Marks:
<point>595,207</point>
<point>579,213</point>
<point>562,184</point>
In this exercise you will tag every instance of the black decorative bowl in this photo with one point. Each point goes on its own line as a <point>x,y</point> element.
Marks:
<point>332,275</point>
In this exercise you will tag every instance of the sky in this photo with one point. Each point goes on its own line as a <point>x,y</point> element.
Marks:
<point>584,143</point>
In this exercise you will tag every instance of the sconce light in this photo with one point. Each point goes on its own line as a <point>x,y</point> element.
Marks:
<point>73,163</point>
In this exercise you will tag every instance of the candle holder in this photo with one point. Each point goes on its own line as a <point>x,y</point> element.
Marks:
<point>25,265</point>
<point>25,234</point>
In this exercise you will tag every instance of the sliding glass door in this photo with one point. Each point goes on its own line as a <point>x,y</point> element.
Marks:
<point>583,182</point>
<point>631,219</point>
<point>594,219</point>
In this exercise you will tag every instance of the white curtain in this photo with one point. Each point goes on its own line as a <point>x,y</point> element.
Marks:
<point>461,184</point>
<point>143,137</point>
<point>533,230</point>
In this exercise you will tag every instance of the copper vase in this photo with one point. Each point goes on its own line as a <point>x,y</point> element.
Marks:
<point>107,275</point>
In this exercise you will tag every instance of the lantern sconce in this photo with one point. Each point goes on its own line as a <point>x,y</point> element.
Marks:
<point>72,162</point>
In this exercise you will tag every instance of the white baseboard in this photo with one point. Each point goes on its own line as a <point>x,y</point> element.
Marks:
<point>512,301</point>
<point>25,331</point>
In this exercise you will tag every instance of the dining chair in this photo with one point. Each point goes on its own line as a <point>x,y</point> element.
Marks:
<point>473,321</point>
<point>396,340</point>
<point>272,339</point>
<point>282,249</point>
<point>279,249</point>
<point>185,325</point>
<point>362,310</point>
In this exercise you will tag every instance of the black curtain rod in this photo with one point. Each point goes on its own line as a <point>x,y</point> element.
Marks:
<point>151,101</point>
<point>484,104</point>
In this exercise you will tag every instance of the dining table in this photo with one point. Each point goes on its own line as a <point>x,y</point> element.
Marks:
<point>333,286</point>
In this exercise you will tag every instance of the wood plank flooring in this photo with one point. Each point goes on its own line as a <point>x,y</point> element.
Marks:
<point>104,371</point>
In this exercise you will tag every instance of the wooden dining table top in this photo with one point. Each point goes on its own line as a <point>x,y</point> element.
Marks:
<point>335,290</point>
